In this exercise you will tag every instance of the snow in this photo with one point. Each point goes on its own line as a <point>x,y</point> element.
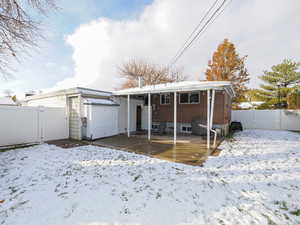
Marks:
<point>177,86</point>
<point>98,101</point>
<point>255,180</point>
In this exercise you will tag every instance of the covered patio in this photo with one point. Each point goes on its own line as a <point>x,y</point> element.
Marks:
<point>209,88</point>
<point>190,149</point>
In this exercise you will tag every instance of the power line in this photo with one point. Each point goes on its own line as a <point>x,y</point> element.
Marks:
<point>196,28</point>
<point>211,20</point>
<point>198,33</point>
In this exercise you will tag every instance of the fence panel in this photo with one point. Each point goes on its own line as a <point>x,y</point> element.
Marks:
<point>268,119</point>
<point>290,120</point>
<point>20,125</point>
<point>53,124</point>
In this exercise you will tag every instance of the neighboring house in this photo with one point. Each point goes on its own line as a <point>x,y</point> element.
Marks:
<point>95,114</point>
<point>7,101</point>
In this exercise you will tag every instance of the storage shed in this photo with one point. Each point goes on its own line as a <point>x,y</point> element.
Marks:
<point>91,113</point>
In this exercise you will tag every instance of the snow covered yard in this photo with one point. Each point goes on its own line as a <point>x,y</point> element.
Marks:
<point>255,180</point>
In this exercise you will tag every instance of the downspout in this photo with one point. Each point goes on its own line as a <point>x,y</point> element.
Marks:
<point>210,115</point>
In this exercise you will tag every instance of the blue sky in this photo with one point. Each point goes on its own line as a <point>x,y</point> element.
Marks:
<point>87,40</point>
<point>54,55</point>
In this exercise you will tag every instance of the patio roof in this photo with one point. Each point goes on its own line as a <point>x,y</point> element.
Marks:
<point>179,87</point>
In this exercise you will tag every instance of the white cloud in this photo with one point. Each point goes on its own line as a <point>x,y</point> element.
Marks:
<point>267,31</point>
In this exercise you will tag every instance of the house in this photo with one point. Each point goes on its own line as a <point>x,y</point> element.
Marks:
<point>199,107</point>
<point>181,107</point>
<point>7,101</point>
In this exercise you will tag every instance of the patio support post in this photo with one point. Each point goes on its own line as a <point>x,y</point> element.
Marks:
<point>208,119</point>
<point>128,115</point>
<point>212,108</point>
<point>175,117</point>
<point>149,116</point>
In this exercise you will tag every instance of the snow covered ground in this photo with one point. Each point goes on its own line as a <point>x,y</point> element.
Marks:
<point>255,180</point>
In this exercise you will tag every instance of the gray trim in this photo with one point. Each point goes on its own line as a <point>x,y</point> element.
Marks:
<point>67,92</point>
<point>90,89</point>
<point>101,104</point>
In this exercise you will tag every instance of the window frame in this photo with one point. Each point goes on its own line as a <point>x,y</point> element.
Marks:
<point>185,129</point>
<point>189,98</point>
<point>180,98</point>
<point>169,97</point>
<point>193,93</point>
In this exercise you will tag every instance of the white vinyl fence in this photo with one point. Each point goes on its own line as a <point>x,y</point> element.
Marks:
<point>20,124</point>
<point>268,119</point>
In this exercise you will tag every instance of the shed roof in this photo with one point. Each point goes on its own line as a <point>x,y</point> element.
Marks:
<point>95,101</point>
<point>184,86</point>
<point>70,91</point>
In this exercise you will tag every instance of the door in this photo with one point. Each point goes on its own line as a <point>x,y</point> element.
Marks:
<point>74,117</point>
<point>138,117</point>
<point>104,121</point>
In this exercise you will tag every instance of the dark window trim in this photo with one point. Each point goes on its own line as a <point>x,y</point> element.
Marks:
<point>189,98</point>
<point>165,94</point>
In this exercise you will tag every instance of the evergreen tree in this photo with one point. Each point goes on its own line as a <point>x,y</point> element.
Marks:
<point>278,83</point>
<point>226,65</point>
<point>293,98</point>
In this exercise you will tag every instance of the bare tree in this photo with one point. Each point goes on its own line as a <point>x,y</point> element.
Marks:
<point>18,30</point>
<point>8,93</point>
<point>150,74</point>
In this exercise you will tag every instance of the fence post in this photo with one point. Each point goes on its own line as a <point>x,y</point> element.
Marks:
<point>40,110</point>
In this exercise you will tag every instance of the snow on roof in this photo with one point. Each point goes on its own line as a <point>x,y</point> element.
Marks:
<point>179,87</point>
<point>70,91</point>
<point>6,101</point>
<point>98,101</point>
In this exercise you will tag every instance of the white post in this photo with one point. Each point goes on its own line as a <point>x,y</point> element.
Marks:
<point>128,115</point>
<point>208,119</point>
<point>149,116</point>
<point>175,117</point>
<point>212,108</point>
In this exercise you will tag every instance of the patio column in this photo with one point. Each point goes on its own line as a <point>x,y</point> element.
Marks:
<point>212,108</point>
<point>208,119</point>
<point>175,117</point>
<point>128,115</point>
<point>149,117</point>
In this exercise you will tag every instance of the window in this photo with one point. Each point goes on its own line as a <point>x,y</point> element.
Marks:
<point>186,129</point>
<point>165,99</point>
<point>184,98</point>
<point>189,98</point>
<point>194,98</point>
<point>155,126</point>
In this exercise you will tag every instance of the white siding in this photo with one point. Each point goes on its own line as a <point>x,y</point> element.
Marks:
<point>74,118</point>
<point>122,124</point>
<point>102,121</point>
<point>56,101</point>
<point>145,117</point>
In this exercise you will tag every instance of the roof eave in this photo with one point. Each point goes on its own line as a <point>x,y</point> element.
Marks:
<point>181,89</point>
